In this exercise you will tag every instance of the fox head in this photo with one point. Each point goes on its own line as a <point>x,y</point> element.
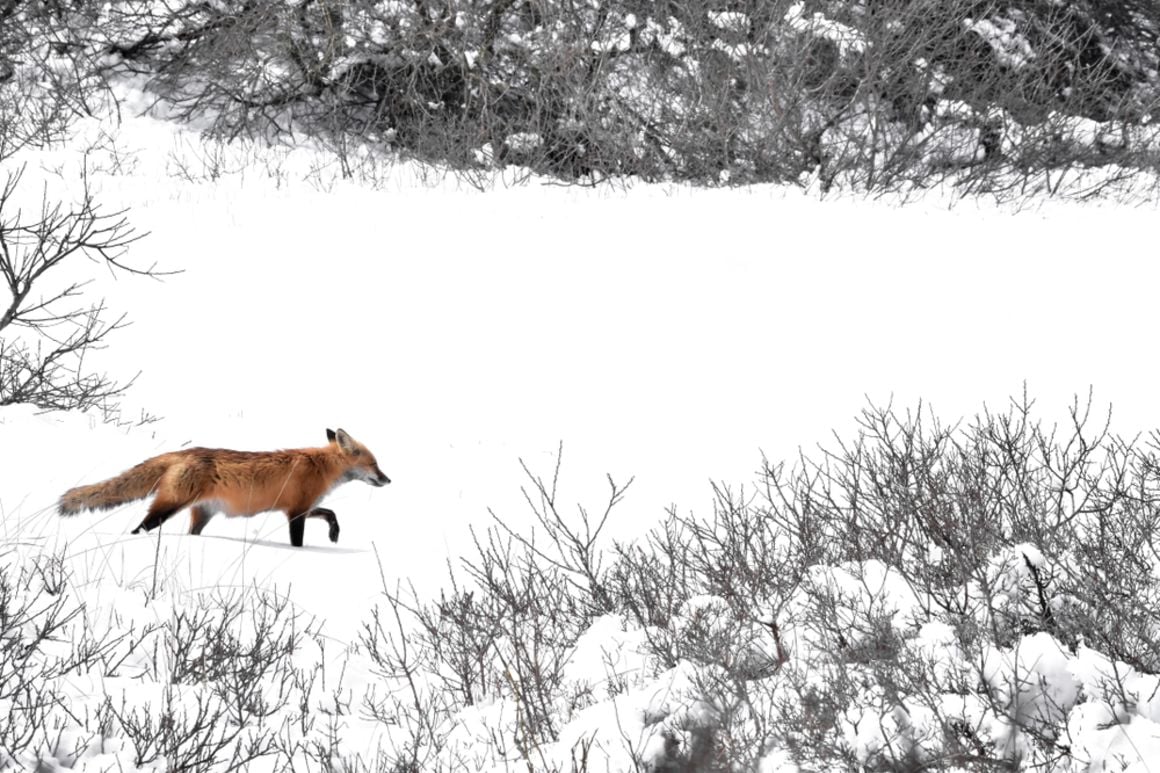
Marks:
<point>362,464</point>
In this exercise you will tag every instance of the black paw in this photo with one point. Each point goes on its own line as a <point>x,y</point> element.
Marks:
<point>334,532</point>
<point>136,531</point>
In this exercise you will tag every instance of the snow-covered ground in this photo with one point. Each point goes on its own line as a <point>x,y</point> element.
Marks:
<point>661,332</point>
<point>658,331</point>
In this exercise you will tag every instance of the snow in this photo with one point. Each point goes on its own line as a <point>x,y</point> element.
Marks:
<point>731,21</point>
<point>848,39</point>
<point>659,331</point>
<point>1002,35</point>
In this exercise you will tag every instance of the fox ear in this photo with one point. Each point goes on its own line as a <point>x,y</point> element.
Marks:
<point>330,436</point>
<point>345,441</point>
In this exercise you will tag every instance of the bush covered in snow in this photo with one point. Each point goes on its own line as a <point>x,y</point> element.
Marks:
<point>920,597</point>
<point>225,681</point>
<point>875,95</point>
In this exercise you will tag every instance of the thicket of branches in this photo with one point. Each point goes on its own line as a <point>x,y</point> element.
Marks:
<point>1006,533</point>
<point>212,686</point>
<point>870,93</point>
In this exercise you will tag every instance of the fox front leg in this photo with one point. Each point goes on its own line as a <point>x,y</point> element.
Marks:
<point>297,528</point>
<point>298,524</point>
<point>331,519</point>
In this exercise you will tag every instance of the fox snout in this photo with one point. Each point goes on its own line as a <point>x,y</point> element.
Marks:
<point>379,479</point>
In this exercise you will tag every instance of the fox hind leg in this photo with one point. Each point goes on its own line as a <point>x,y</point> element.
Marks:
<point>159,512</point>
<point>199,516</point>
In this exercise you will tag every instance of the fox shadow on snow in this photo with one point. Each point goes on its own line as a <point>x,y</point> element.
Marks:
<point>284,545</point>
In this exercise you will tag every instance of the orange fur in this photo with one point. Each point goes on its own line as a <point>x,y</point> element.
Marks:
<point>238,483</point>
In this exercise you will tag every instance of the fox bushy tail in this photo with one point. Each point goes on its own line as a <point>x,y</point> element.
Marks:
<point>133,484</point>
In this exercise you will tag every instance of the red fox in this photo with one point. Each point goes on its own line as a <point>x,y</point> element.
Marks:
<point>213,480</point>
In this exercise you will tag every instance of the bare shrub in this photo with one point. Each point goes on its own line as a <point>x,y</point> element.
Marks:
<point>188,730</point>
<point>47,639</point>
<point>32,616</point>
<point>243,649</point>
<point>503,632</point>
<point>231,691</point>
<point>48,330</point>
<point>1000,535</point>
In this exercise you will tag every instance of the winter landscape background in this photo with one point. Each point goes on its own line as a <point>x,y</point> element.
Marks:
<point>847,292</point>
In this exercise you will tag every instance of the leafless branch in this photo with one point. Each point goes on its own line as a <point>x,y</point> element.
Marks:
<point>47,329</point>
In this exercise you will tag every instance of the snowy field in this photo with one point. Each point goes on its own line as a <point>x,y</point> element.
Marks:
<point>661,332</point>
